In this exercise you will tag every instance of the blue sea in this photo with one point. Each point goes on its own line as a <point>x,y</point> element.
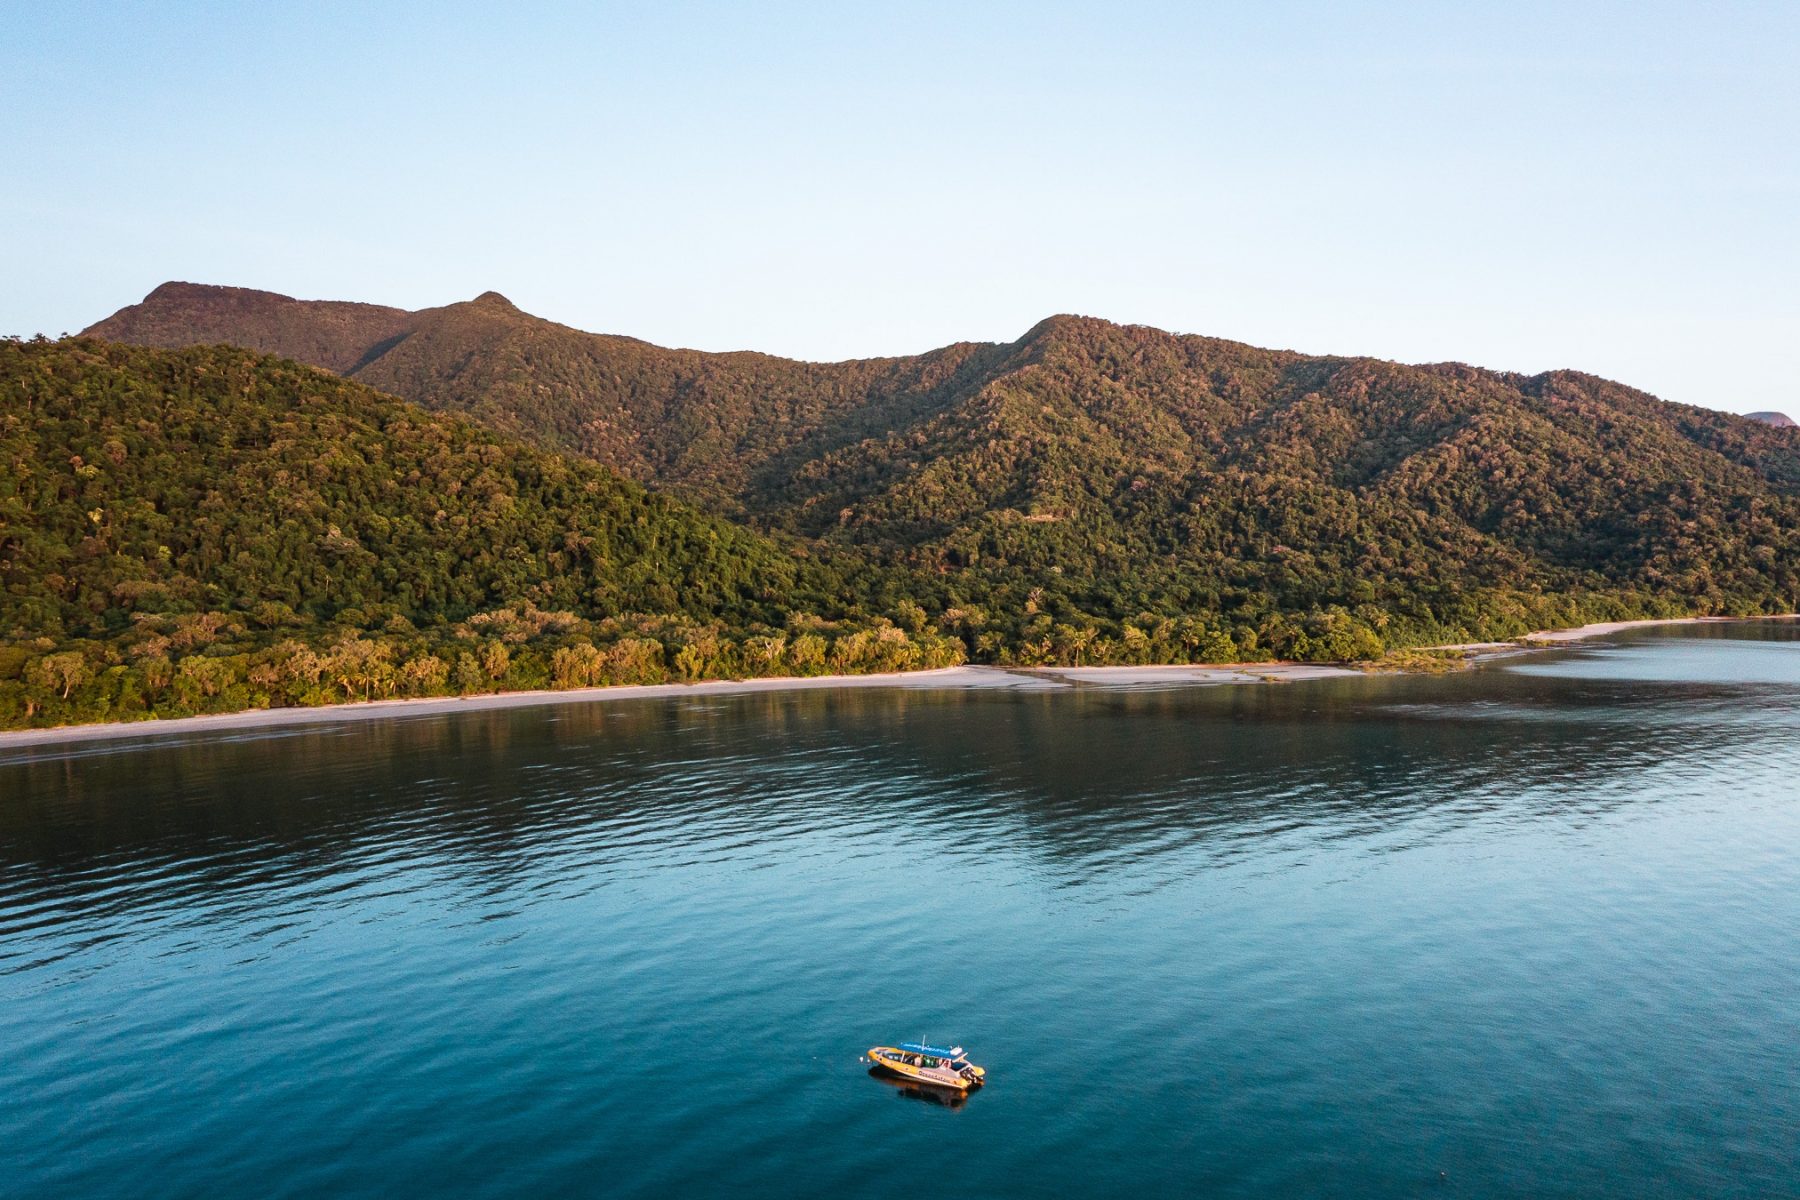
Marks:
<point>1529,930</point>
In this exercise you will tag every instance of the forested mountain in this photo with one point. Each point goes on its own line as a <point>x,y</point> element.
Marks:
<point>1092,482</point>
<point>211,528</point>
<point>193,528</point>
<point>704,424</point>
<point>1136,455</point>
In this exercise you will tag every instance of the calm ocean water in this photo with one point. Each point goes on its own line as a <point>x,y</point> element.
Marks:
<point>1532,930</point>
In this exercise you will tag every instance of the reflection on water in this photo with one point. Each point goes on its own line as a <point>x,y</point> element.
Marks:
<point>906,1089</point>
<point>1532,926</point>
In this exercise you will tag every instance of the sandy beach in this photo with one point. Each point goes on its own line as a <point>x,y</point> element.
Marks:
<point>945,678</point>
<point>1553,637</point>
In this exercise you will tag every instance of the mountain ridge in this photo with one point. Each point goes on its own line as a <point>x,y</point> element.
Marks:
<point>649,411</point>
<point>1105,476</point>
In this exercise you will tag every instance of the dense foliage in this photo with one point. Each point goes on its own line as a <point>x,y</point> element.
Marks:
<point>203,529</point>
<point>1130,476</point>
<point>705,424</point>
<point>1090,493</point>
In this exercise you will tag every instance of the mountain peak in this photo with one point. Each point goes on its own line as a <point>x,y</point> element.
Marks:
<point>1780,420</point>
<point>181,291</point>
<point>326,333</point>
<point>174,289</point>
<point>493,299</point>
<point>1059,323</point>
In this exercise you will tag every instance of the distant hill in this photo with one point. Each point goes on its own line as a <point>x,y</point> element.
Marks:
<point>706,424</point>
<point>1779,420</point>
<point>336,335</point>
<point>1120,469</point>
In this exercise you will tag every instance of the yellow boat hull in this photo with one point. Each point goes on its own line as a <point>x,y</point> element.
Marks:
<point>900,1063</point>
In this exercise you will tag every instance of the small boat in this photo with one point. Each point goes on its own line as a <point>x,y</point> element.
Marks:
<point>930,1064</point>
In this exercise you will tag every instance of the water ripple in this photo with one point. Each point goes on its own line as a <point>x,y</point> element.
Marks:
<point>1533,926</point>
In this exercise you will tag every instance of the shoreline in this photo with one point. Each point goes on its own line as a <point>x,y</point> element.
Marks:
<point>1545,638</point>
<point>966,676</point>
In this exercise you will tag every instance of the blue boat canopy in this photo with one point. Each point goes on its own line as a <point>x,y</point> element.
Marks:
<point>934,1051</point>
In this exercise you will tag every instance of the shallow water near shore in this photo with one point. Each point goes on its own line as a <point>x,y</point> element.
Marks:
<point>1528,930</point>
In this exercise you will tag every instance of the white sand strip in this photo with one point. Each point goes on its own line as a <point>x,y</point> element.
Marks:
<point>365,710</point>
<point>1604,628</point>
<point>1600,629</point>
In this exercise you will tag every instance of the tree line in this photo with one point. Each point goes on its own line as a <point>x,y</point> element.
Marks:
<point>205,529</point>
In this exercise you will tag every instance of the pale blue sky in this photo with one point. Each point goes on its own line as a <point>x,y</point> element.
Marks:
<point>1613,187</point>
